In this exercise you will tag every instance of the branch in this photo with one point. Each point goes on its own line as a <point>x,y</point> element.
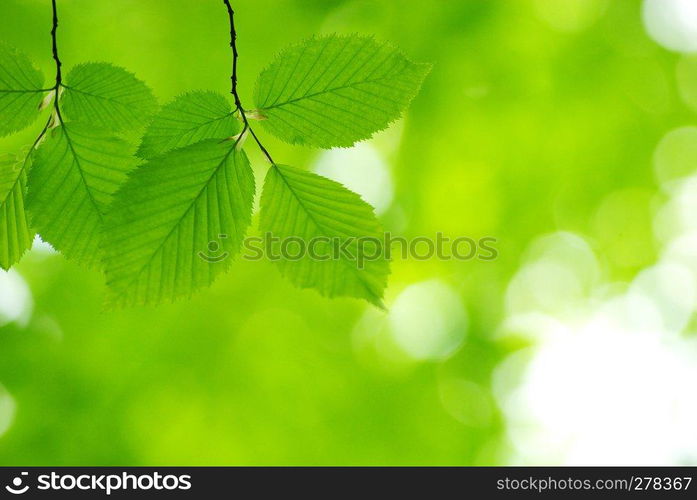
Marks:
<point>55,88</point>
<point>59,77</point>
<point>56,58</point>
<point>235,55</point>
<point>233,78</point>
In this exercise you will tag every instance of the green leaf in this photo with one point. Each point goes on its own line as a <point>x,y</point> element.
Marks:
<point>107,96</point>
<point>298,204</point>
<point>71,184</point>
<point>15,235</point>
<point>336,90</point>
<point>177,221</point>
<point>20,91</point>
<point>186,120</point>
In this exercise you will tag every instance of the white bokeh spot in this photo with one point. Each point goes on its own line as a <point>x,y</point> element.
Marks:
<point>362,170</point>
<point>16,302</point>
<point>428,320</point>
<point>672,23</point>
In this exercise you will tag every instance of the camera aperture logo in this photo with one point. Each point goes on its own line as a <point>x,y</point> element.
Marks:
<point>106,483</point>
<point>18,487</point>
<point>213,253</point>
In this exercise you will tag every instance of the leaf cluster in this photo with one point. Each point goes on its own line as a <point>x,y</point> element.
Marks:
<point>137,191</point>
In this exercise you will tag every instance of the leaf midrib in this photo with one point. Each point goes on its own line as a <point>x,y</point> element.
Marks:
<point>325,91</point>
<point>179,221</point>
<point>322,227</point>
<point>82,175</point>
<point>18,180</point>
<point>98,96</point>
<point>28,91</point>
<point>197,127</point>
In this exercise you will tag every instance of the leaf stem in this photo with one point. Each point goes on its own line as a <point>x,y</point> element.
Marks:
<point>233,78</point>
<point>55,88</point>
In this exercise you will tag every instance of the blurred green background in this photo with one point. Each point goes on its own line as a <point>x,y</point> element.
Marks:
<point>563,128</point>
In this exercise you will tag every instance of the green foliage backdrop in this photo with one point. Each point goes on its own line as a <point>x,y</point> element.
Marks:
<point>519,130</point>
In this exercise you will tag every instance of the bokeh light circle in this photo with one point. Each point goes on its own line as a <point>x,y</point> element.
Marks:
<point>362,170</point>
<point>672,23</point>
<point>428,320</point>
